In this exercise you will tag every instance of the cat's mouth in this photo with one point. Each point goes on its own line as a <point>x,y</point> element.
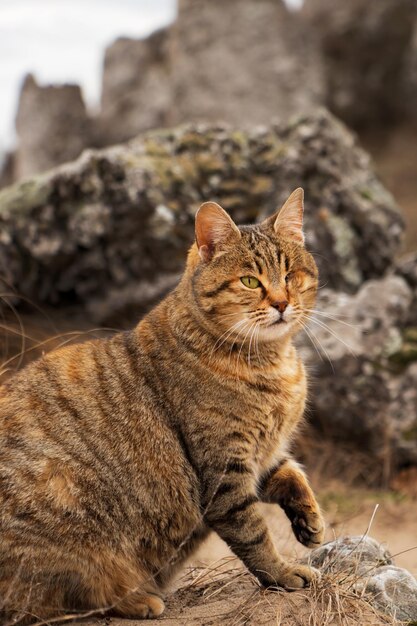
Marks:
<point>280,320</point>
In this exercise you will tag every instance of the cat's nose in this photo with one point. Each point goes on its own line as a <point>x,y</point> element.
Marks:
<point>280,306</point>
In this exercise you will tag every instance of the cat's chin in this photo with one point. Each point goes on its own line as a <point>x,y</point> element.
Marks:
<point>275,331</point>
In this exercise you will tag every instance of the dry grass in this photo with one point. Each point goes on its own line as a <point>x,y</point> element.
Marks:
<point>226,594</point>
<point>30,331</point>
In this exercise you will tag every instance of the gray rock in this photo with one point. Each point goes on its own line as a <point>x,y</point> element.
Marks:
<point>364,370</point>
<point>368,55</point>
<point>407,269</point>
<point>389,588</point>
<point>7,168</point>
<point>52,126</point>
<point>136,87</point>
<point>359,554</point>
<point>121,220</point>
<point>241,62</point>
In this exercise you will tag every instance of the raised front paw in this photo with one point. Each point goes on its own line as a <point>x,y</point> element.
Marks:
<point>308,526</point>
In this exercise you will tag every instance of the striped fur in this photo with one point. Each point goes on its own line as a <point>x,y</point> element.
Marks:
<point>118,456</point>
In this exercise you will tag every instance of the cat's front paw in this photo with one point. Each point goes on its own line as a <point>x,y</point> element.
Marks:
<point>291,578</point>
<point>308,527</point>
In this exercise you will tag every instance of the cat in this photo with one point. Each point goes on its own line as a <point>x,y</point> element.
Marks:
<point>118,456</point>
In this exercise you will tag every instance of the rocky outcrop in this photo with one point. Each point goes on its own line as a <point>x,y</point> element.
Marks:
<point>369,59</point>
<point>407,269</point>
<point>243,62</point>
<point>136,87</point>
<point>239,62</point>
<point>372,571</point>
<point>364,359</point>
<point>111,230</point>
<point>52,126</point>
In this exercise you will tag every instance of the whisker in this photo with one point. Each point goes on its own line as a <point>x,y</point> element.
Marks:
<point>335,335</point>
<point>258,330</point>
<point>241,347</point>
<point>250,342</point>
<point>317,344</point>
<point>220,341</point>
<point>332,317</point>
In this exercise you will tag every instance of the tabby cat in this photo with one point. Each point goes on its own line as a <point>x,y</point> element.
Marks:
<point>118,456</point>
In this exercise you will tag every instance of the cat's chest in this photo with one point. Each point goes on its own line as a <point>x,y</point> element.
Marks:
<point>280,405</point>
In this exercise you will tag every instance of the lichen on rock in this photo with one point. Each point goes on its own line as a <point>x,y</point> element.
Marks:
<point>95,227</point>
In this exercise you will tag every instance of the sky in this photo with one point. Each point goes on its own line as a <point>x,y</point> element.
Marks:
<point>64,40</point>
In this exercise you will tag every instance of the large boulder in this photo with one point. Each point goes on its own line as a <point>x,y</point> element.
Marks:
<point>240,62</point>
<point>243,62</point>
<point>363,355</point>
<point>52,126</point>
<point>111,230</point>
<point>369,57</point>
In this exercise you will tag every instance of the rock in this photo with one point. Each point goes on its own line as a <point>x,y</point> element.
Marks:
<point>243,62</point>
<point>367,50</point>
<point>136,87</point>
<point>115,225</point>
<point>52,126</point>
<point>407,269</point>
<point>358,553</point>
<point>239,62</point>
<point>389,588</point>
<point>364,364</point>
<point>7,169</point>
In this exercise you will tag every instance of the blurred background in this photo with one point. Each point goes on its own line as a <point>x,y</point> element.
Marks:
<point>238,101</point>
<point>76,75</point>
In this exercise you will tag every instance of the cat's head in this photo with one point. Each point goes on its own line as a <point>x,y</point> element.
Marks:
<point>252,279</point>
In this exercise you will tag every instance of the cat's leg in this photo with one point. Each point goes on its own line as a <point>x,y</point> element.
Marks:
<point>234,514</point>
<point>118,585</point>
<point>287,485</point>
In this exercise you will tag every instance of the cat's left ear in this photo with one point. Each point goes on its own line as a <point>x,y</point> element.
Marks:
<point>214,229</point>
<point>289,221</point>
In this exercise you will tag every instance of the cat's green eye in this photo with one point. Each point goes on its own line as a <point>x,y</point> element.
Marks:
<point>250,281</point>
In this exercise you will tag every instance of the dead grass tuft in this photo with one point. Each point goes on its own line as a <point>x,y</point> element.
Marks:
<point>227,594</point>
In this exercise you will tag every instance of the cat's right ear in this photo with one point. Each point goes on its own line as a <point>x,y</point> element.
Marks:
<point>214,229</point>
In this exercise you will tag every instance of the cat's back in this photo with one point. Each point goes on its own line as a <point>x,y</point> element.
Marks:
<point>81,430</point>
<point>82,383</point>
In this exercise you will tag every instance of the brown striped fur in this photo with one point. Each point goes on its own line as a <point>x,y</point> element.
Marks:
<point>118,456</point>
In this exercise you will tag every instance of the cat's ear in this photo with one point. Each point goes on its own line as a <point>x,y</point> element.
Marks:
<point>289,221</point>
<point>213,230</point>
